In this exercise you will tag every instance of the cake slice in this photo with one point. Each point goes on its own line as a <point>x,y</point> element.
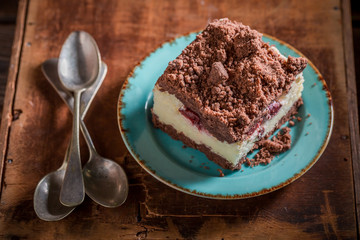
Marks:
<point>227,90</point>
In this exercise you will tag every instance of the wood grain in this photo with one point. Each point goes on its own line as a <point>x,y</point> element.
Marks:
<point>320,205</point>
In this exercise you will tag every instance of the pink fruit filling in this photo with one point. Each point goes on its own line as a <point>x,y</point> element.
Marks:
<point>254,127</point>
<point>274,107</point>
<point>192,116</point>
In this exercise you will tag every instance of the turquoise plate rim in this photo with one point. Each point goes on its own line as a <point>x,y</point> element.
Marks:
<point>152,172</point>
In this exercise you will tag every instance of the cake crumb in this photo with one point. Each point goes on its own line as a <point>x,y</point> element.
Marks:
<point>242,170</point>
<point>299,119</point>
<point>307,133</point>
<point>291,123</point>
<point>206,167</point>
<point>313,85</point>
<point>221,172</point>
<point>184,146</point>
<point>308,115</point>
<point>293,117</point>
<point>248,162</point>
<point>310,123</point>
<point>271,147</point>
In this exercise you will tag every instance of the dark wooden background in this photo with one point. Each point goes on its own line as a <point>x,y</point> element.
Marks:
<point>355,12</point>
<point>320,205</point>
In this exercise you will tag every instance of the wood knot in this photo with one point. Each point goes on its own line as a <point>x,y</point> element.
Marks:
<point>16,114</point>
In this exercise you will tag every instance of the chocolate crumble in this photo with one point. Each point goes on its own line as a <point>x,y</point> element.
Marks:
<point>221,174</point>
<point>228,76</point>
<point>271,147</point>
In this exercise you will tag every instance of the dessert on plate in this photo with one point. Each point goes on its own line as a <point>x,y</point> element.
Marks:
<point>226,91</point>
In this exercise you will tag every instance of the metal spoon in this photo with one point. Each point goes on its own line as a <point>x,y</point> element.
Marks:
<point>105,181</point>
<point>46,197</point>
<point>78,68</point>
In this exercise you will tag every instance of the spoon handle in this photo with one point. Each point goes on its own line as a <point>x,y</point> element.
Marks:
<point>87,138</point>
<point>73,190</point>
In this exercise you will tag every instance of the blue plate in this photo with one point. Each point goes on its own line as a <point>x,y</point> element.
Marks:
<point>187,169</point>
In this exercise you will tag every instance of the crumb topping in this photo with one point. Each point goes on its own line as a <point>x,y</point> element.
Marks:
<point>229,75</point>
<point>271,147</point>
<point>221,174</point>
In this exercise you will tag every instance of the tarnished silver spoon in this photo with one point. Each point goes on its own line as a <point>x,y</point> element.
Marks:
<point>78,67</point>
<point>46,197</point>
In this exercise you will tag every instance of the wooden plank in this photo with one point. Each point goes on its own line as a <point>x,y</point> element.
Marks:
<point>7,113</point>
<point>352,101</point>
<point>6,40</point>
<point>318,205</point>
<point>7,28</point>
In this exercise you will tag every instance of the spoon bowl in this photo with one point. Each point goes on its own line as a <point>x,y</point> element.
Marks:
<point>46,197</point>
<point>105,181</point>
<point>79,61</point>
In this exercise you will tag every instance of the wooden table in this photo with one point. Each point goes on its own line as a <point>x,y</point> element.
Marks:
<point>36,124</point>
